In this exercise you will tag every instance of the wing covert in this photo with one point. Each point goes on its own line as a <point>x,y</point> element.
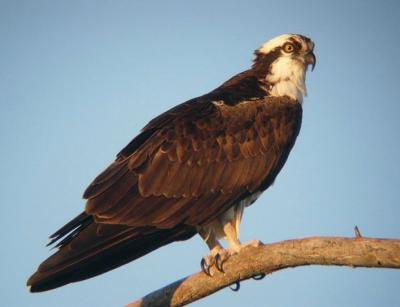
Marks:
<point>199,159</point>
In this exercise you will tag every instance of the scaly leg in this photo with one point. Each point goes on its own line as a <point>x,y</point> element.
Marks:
<point>235,246</point>
<point>215,249</point>
<point>227,227</point>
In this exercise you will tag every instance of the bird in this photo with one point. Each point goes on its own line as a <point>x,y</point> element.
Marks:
<point>191,170</point>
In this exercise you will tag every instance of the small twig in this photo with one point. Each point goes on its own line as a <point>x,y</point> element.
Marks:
<point>357,232</point>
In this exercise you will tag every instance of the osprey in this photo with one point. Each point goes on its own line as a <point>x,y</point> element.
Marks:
<point>191,170</point>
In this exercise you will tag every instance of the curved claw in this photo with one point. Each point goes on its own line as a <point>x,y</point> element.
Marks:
<point>205,267</point>
<point>219,263</point>
<point>259,277</point>
<point>237,286</point>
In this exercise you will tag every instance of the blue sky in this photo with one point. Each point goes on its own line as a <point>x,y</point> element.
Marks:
<point>78,79</point>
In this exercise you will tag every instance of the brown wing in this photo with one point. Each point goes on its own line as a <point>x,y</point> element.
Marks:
<point>195,161</point>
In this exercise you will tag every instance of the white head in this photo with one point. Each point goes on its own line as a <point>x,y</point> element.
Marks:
<point>283,62</point>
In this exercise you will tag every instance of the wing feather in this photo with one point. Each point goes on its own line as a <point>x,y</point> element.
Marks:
<point>106,179</point>
<point>198,160</point>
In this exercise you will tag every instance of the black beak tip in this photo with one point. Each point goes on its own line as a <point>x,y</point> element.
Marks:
<point>313,61</point>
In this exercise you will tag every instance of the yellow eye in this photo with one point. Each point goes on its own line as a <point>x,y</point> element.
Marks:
<point>288,48</point>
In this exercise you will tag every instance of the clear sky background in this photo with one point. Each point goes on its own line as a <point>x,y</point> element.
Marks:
<point>78,79</point>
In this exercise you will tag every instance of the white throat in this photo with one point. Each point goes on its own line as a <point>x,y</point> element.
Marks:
<point>287,78</point>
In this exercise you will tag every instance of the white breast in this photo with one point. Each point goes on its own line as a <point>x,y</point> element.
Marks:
<point>287,77</point>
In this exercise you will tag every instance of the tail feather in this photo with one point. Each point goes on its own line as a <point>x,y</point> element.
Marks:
<point>97,248</point>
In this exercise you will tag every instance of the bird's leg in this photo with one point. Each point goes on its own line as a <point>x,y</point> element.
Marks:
<point>227,227</point>
<point>231,234</point>
<point>215,250</point>
<point>220,255</point>
<point>232,237</point>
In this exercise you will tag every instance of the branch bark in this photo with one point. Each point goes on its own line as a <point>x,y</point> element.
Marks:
<point>265,259</point>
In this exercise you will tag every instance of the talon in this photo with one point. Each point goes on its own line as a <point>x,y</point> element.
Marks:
<point>205,267</point>
<point>219,263</point>
<point>259,277</point>
<point>237,286</point>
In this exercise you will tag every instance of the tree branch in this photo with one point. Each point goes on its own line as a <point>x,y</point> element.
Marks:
<point>253,261</point>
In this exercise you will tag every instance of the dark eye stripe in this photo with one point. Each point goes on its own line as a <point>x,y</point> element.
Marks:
<point>296,43</point>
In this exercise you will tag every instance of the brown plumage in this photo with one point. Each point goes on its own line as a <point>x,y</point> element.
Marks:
<point>185,169</point>
<point>187,161</point>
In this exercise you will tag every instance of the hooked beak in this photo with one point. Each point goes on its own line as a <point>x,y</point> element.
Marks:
<point>311,60</point>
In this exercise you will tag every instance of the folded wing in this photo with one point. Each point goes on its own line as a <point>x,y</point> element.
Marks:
<point>195,161</point>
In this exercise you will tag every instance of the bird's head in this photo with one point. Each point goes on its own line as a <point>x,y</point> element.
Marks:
<point>282,63</point>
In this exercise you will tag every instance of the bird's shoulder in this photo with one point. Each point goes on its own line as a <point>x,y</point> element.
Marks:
<point>235,104</point>
<point>212,116</point>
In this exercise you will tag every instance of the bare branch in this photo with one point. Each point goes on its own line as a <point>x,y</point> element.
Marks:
<point>255,261</point>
